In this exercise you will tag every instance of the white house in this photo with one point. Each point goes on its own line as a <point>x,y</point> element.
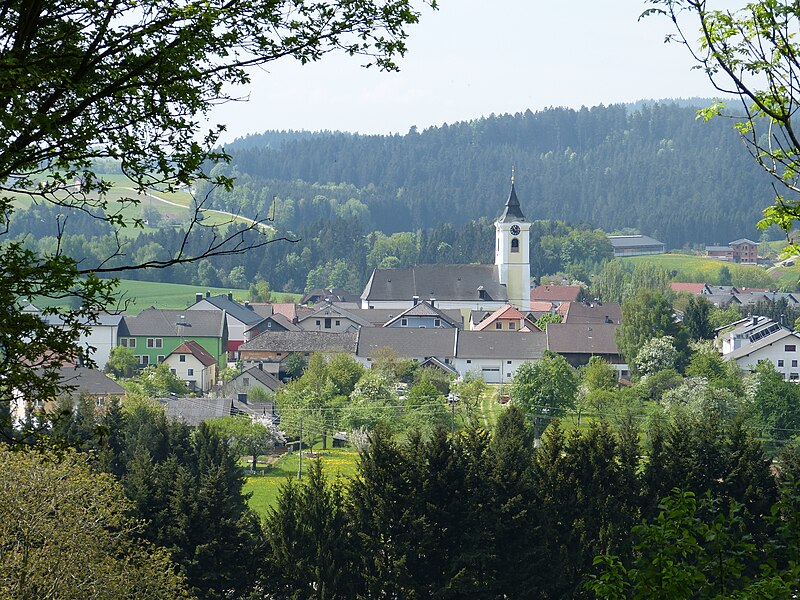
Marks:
<point>781,348</point>
<point>194,365</point>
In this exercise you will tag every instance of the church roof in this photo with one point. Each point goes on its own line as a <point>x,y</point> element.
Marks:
<point>512,211</point>
<point>442,282</point>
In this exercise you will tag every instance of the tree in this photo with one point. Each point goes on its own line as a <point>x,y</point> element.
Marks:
<point>156,381</point>
<point>121,362</point>
<point>469,391</point>
<point>598,374</point>
<point>66,532</point>
<point>246,436</point>
<point>696,319</point>
<point>750,53</point>
<point>648,315</point>
<point>547,386</point>
<point>657,354</point>
<point>82,83</point>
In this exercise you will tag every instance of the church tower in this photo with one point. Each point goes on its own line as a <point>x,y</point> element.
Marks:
<point>512,252</point>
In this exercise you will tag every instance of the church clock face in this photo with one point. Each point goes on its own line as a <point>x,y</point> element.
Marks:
<point>515,230</point>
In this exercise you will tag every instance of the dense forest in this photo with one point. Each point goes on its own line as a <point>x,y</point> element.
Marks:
<point>655,168</point>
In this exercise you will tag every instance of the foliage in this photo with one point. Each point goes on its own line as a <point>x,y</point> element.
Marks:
<point>66,532</point>
<point>468,391</point>
<point>696,319</point>
<point>545,387</point>
<point>598,374</point>
<point>656,354</point>
<point>745,52</point>
<point>246,436</point>
<point>294,365</point>
<point>121,362</point>
<point>645,316</point>
<point>156,381</point>
<point>546,318</point>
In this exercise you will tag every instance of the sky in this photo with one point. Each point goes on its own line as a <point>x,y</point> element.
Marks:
<point>473,58</point>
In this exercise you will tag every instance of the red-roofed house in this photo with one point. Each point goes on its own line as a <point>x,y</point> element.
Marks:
<point>698,289</point>
<point>506,318</point>
<point>191,363</point>
<point>556,293</point>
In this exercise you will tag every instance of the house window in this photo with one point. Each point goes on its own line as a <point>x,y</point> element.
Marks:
<point>508,375</point>
<point>469,362</point>
<point>127,342</point>
<point>181,358</point>
<point>161,358</point>
<point>338,322</point>
<point>318,322</point>
<point>780,362</point>
<point>794,363</point>
<point>99,401</point>
<point>790,348</point>
<point>144,360</point>
<point>173,371</point>
<point>508,362</point>
<point>327,323</point>
<point>403,322</point>
<point>278,354</point>
<point>515,245</point>
<point>190,372</point>
<point>437,322</point>
<point>794,376</point>
<point>512,325</point>
<point>151,343</point>
<point>159,343</point>
<point>246,382</point>
<point>498,325</point>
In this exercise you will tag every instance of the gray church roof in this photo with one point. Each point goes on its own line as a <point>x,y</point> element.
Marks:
<point>512,211</point>
<point>442,282</point>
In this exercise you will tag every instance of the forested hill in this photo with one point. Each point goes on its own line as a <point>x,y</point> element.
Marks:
<point>656,168</point>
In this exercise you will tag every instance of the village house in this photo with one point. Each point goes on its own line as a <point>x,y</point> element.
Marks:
<point>272,349</point>
<point>194,365</point>
<point>506,318</point>
<point>239,318</point>
<point>424,315</point>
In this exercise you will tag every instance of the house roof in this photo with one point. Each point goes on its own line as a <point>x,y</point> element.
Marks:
<point>193,348</point>
<point>424,309</point>
<point>332,294</point>
<point>408,341</point>
<point>280,320</point>
<point>102,319</point>
<point>442,282</point>
<point>742,241</point>
<point>512,211</point>
<point>504,312</point>
<point>194,411</point>
<point>175,323</point>
<point>264,377</point>
<point>582,338</point>
<point>557,293</point>
<point>332,311</point>
<point>692,288</point>
<point>541,306</point>
<point>633,241</point>
<point>719,249</point>
<point>90,382</point>
<point>595,312</point>
<point>235,309</point>
<point>486,344</point>
<point>303,341</point>
<point>773,338</point>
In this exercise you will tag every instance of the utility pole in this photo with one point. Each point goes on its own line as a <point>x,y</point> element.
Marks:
<point>300,448</point>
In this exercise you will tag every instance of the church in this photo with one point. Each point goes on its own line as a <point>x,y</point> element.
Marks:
<point>471,287</point>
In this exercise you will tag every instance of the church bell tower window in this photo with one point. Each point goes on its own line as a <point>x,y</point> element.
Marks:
<point>515,245</point>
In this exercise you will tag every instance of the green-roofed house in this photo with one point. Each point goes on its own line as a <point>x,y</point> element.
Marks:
<point>154,333</point>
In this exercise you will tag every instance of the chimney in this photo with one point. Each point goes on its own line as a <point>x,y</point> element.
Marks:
<point>433,302</point>
<point>230,295</point>
<point>248,306</point>
<point>415,299</point>
<point>260,366</point>
<point>208,294</point>
<point>198,297</point>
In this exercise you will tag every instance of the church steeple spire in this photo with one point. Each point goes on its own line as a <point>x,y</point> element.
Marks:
<point>512,211</point>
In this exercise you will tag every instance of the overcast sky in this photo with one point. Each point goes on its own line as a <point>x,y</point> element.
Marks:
<point>472,58</point>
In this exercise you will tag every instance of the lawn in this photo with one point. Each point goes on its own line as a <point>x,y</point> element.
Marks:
<point>338,462</point>
<point>703,269</point>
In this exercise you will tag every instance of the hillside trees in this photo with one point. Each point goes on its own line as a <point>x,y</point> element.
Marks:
<point>750,52</point>
<point>82,82</point>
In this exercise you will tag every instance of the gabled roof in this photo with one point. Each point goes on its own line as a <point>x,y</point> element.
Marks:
<point>512,211</point>
<point>594,312</point>
<point>235,309</point>
<point>504,312</point>
<point>541,306</point>
<point>89,382</point>
<point>194,349</point>
<point>303,341</point>
<point>442,282</point>
<point>743,241</point>
<point>331,294</point>
<point>194,411</point>
<point>423,309</point>
<point>175,323</point>
<point>259,374</point>
<point>408,341</point>
<point>332,311</point>
<point>557,293</point>
<point>633,241</point>
<point>692,288</point>
<point>773,338</point>
<point>280,320</point>
<point>582,338</point>
<point>485,344</point>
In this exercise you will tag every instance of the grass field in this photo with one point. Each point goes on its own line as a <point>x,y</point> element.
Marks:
<point>265,488</point>
<point>703,269</point>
